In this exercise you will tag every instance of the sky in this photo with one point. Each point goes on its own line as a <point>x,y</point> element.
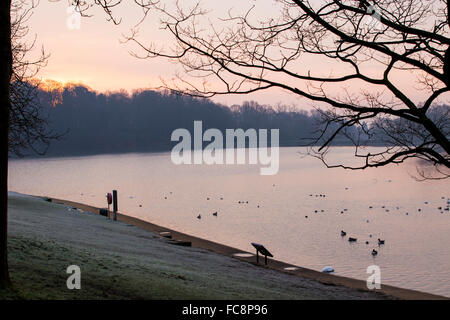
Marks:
<point>94,54</point>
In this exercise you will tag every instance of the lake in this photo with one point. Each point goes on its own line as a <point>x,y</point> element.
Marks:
<point>384,203</point>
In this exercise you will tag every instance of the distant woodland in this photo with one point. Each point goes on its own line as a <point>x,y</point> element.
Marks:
<point>118,122</point>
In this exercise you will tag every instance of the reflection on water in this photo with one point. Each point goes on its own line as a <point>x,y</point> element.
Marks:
<point>297,214</point>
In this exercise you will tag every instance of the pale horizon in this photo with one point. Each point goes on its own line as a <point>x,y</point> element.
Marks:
<point>94,55</point>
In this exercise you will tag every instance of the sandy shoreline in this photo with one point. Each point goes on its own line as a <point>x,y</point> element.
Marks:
<point>301,283</point>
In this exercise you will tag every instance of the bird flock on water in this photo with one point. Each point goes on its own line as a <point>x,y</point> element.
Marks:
<point>351,238</point>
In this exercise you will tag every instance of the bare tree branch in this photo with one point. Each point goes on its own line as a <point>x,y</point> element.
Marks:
<point>240,54</point>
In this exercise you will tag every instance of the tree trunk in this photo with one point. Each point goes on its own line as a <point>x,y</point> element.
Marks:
<point>5,76</point>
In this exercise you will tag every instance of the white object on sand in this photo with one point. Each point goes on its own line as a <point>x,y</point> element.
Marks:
<point>328,269</point>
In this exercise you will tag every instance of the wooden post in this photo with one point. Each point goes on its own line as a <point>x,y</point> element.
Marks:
<point>115,204</point>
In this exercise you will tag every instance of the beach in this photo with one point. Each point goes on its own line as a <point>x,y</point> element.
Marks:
<point>130,259</point>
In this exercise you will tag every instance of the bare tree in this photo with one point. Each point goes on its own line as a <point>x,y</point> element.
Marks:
<point>369,43</point>
<point>28,126</point>
<point>22,126</point>
<point>5,75</point>
<point>21,122</point>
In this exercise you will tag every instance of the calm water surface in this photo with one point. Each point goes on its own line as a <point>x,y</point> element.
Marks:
<point>417,250</point>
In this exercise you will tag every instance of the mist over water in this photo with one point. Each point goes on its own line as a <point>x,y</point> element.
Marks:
<point>151,187</point>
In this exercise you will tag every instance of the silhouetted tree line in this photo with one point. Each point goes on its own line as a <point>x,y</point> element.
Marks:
<point>118,122</point>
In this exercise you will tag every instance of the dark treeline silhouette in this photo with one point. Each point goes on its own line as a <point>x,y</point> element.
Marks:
<point>118,122</point>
